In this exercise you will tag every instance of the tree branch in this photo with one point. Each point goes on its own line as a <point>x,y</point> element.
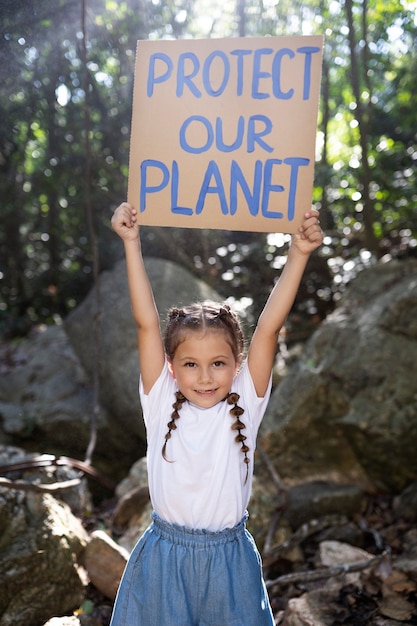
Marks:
<point>328,572</point>
<point>39,487</point>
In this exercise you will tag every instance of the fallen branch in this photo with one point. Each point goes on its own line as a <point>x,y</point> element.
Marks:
<point>302,533</point>
<point>39,487</point>
<point>328,572</point>
<point>49,460</point>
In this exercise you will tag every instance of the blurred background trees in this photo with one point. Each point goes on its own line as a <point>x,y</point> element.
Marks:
<point>66,72</point>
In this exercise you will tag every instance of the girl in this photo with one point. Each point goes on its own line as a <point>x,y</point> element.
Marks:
<point>197,565</point>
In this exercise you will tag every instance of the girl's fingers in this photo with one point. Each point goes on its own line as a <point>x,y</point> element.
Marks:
<point>125,215</point>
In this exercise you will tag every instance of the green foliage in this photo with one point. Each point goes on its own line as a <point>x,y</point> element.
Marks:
<point>53,99</point>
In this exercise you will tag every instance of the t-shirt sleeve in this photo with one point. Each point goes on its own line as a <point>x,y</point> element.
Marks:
<point>163,388</point>
<point>255,405</point>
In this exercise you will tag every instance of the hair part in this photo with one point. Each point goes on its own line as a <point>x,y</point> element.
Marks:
<point>202,317</point>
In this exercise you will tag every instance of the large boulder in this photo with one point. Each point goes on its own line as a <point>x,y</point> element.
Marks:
<point>118,340</point>
<point>347,409</point>
<point>45,395</point>
<point>40,541</point>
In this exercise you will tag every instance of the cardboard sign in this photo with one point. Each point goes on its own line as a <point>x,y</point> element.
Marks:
<point>223,132</point>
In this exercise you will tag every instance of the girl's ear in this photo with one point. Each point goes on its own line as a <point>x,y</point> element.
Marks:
<point>171,368</point>
<point>238,362</point>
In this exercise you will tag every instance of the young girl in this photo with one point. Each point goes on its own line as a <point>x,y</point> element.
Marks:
<point>197,565</point>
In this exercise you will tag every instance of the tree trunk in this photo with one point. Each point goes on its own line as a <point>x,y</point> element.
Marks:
<point>241,13</point>
<point>365,171</point>
<point>326,217</point>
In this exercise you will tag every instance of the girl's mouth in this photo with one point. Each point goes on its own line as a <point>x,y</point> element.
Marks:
<point>205,392</point>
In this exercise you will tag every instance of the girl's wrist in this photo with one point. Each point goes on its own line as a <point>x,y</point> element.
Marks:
<point>134,241</point>
<point>295,249</point>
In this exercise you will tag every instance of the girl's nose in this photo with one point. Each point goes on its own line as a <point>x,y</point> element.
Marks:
<point>205,374</point>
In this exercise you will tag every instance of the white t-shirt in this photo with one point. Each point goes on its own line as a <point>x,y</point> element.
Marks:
<point>203,486</point>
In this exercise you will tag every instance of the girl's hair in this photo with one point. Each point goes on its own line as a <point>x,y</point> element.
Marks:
<point>202,317</point>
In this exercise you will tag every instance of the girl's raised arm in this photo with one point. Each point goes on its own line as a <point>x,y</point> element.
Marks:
<point>261,352</point>
<point>145,313</point>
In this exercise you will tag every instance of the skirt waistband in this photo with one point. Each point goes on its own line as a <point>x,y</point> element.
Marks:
<point>191,536</point>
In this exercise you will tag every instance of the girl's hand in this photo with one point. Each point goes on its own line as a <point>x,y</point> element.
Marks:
<point>124,222</point>
<point>309,235</point>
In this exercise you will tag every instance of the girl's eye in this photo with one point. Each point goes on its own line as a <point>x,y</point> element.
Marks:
<point>218,363</point>
<point>189,364</point>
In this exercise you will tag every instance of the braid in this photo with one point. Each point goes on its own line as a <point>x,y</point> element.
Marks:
<point>237,411</point>
<point>179,401</point>
<point>231,323</point>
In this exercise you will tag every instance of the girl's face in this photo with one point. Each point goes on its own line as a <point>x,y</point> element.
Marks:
<point>204,367</point>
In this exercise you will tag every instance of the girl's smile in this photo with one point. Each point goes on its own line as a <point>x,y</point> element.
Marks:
<point>204,367</point>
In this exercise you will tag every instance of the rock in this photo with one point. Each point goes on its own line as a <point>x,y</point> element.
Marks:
<point>338,553</point>
<point>104,561</point>
<point>407,561</point>
<point>262,506</point>
<point>133,511</point>
<point>311,609</point>
<point>300,504</point>
<point>137,526</point>
<point>40,541</point>
<point>311,500</point>
<point>137,477</point>
<point>46,397</point>
<point>347,409</point>
<point>79,620</point>
<point>63,621</point>
<point>119,366</point>
<point>321,607</point>
<point>130,506</point>
<point>405,505</point>
<point>77,497</point>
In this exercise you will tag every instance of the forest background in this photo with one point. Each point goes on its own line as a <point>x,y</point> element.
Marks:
<point>66,82</point>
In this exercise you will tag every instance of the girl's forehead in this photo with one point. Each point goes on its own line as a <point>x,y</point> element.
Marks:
<point>205,340</point>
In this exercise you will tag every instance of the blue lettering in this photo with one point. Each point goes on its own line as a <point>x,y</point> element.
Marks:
<point>206,73</point>
<point>257,74</point>
<point>212,76</point>
<point>220,145</point>
<point>268,187</point>
<point>252,198</point>
<point>210,135</point>
<point>254,137</point>
<point>240,54</point>
<point>152,79</point>
<point>178,210</point>
<point>212,172</point>
<point>144,188</point>
<point>240,191</point>
<point>184,79</point>
<point>308,51</point>
<point>276,74</point>
<point>294,163</point>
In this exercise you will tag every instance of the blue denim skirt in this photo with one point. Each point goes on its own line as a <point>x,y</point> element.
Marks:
<point>177,576</point>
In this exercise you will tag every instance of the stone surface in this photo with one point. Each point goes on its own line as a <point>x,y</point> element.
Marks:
<point>104,561</point>
<point>46,397</point>
<point>347,409</point>
<point>40,541</point>
<point>119,371</point>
